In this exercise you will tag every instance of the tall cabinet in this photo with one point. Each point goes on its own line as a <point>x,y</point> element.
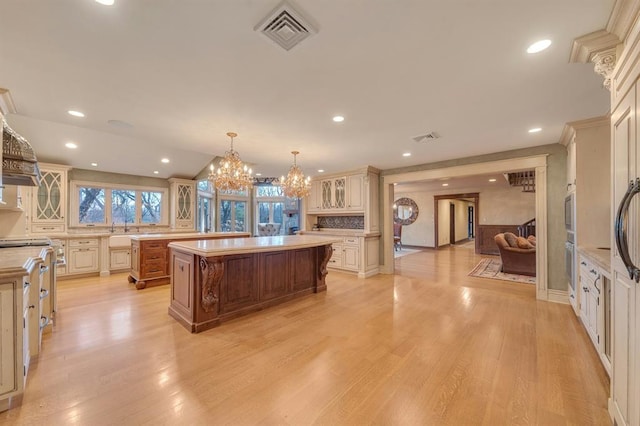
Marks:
<point>624,403</point>
<point>49,200</point>
<point>183,204</point>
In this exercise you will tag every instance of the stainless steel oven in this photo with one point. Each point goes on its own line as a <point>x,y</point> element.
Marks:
<point>569,212</point>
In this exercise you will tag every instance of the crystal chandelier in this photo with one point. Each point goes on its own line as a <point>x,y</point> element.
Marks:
<point>232,174</point>
<point>295,185</point>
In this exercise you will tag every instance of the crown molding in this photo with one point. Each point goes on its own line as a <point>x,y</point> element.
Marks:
<point>571,127</point>
<point>623,15</point>
<point>6,102</point>
<point>586,46</point>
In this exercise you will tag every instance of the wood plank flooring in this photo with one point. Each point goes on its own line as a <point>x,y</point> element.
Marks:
<point>427,346</point>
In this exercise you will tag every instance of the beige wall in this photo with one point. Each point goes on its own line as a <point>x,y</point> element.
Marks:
<point>498,206</point>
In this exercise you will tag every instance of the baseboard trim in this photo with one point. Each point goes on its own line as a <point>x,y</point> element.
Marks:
<point>369,273</point>
<point>558,296</point>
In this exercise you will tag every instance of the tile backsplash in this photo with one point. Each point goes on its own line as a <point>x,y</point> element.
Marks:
<point>341,222</point>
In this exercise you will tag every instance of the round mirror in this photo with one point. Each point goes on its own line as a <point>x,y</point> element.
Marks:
<point>405,211</point>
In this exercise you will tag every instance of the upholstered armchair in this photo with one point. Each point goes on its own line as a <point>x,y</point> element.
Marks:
<point>268,229</point>
<point>518,254</point>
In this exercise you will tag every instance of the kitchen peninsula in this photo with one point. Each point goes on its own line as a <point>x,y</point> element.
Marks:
<point>213,281</point>
<point>150,255</point>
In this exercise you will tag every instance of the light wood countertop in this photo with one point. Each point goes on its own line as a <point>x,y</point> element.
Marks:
<point>599,256</point>
<point>170,236</point>
<point>208,248</point>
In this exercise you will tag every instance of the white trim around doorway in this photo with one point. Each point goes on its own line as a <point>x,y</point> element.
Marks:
<point>538,162</point>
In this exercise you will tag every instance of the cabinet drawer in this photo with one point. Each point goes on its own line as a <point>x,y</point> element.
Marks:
<point>44,228</point>
<point>154,245</point>
<point>588,268</point>
<point>154,270</point>
<point>351,240</point>
<point>86,242</point>
<point>154,256</point>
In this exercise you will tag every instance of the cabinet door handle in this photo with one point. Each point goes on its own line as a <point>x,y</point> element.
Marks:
<point>620,234</point>
<point>43,293</point>
<point>84,250</point>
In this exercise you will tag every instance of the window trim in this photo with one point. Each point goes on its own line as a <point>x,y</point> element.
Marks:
<point>74,204</point>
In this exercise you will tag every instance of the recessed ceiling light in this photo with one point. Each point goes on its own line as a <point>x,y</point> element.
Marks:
<point>406,154</point>
<point>395,183</point>
<point>106,2</point>
<point>445,184</point>
<point>320,170</point>
<point>94,164</point>
<point>155,172</point>
<point>165,160</point>
<point>71,145</point>
<point>338,119</point>
<point>258,174</point>
<point>76,113</point>
<point>492,180</point>
<point>535,130</point>
<point>539,46</point>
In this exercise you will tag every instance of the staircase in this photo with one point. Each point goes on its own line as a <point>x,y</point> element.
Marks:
<point>526,179</point>
<point>527,228</point>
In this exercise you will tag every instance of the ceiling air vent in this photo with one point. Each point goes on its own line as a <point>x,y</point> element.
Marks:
<point>285,26</point>
<point>427,137</point>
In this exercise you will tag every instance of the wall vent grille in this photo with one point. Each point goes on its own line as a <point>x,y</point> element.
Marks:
<point>285,26</point>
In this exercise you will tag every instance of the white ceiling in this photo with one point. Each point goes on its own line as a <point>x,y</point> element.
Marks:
<point>183,73</point>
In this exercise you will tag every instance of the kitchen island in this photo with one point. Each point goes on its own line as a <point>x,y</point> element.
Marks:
<point>214,281</point>
<point>150,254</point>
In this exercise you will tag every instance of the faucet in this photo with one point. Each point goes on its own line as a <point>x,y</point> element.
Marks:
<point>113,224</point>
<point>125,225</point>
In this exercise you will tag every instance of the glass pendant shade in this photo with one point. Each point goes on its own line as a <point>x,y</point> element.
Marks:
<point>232,174</point>
<point>295,185</point>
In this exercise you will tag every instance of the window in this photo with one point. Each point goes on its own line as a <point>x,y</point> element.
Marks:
<point>271,206</point>
<point>91,206</point>
<point>103,204</point>
<point>206,206</point>
<point>233,216</point>
<point>123,206</point>
<point>151,207</point>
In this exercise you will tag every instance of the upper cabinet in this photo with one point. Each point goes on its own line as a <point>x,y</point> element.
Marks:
<point>49,200</point>
<point>571,165</point>
<point>183,204</point>
<point>351,193</point>
<point>334,193</point>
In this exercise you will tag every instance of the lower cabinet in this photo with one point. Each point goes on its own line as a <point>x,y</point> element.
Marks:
<point>83,256</point>
<point>14,337</point>
<point>356,254</point>
<point>119,259</point>
<point>595,306</point>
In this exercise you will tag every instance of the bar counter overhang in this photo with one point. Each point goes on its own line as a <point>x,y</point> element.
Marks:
<point>217,280</point>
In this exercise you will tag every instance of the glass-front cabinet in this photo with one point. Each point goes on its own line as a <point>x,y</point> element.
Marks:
<point>183,204</point>
<point>49,200</point>
<point>334,193</point>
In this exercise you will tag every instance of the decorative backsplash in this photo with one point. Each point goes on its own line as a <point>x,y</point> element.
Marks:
<point>341,222</point>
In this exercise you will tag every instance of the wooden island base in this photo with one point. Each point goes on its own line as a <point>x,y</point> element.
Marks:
<point>208,290</point>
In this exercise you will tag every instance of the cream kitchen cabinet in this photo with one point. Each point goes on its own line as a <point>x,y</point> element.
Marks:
<point>183,204</point>
<point>49,200</point>
<point>334,193</point>
<point>346,255</point>
<point>83,256</point>
<point>355,253</point>
<point>119,258</point>
<point>355,193</point>
<point>14,336</point>
<point>314,200</point>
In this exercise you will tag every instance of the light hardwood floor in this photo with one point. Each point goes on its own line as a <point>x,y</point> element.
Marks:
<point>428,346</point>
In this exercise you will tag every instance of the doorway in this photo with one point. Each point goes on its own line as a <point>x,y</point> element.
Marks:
<point>452,223</point>
<point>445,233</point>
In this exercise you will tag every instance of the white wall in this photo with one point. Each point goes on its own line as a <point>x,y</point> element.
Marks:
<point>498,206</point>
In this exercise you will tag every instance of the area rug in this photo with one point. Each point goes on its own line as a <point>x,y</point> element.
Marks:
<point>490,268</point>
<point>403,252</point>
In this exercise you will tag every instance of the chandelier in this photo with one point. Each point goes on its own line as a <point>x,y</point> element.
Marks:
<point>295,185</point>
<point>232,174</point>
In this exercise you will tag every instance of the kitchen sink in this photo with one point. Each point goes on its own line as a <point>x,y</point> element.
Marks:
<point>120,241</point>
